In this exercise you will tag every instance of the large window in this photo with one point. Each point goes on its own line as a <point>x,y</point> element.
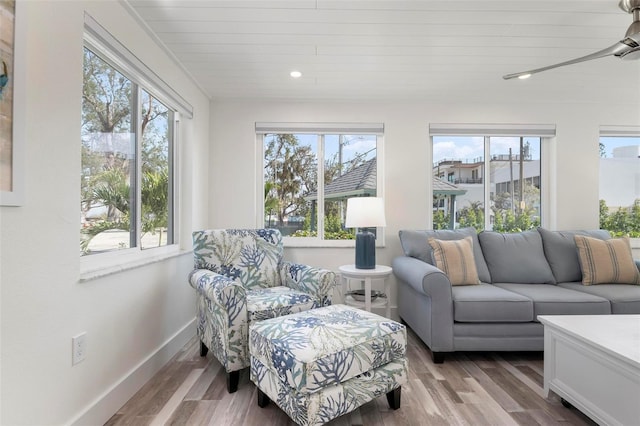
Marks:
<point>308,177</point>
<point>488,182</point>
<point>127,162</point>
<point>620,182</point>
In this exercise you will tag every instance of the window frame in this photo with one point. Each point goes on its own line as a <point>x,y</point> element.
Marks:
<point>101,43</point>
<point>546,133</point>
<point>619,131</point>
<point>320,130</point>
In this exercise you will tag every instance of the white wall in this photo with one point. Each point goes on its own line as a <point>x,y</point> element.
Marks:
<point>130,316</point>
<point>408,158</point>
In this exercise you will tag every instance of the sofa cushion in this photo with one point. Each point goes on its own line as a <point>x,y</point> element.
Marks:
<point>606,262</point>
<point>624,299</point>
<point>414,243</point>
<point>455,259</point>
<point>488,303</point>
<point>516,258</point>
<point>549,299</point>
<point>562,254</point>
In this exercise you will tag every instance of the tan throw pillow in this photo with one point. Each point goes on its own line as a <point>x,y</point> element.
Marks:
<point>455,259</point>
<point>606,261</point>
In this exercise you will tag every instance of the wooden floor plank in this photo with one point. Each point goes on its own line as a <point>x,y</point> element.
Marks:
<point>422,406</point>
<point>537,387</point>
<point>473,388</point>
<point>182,413</point>
<point>204,381</point>
<point>532,374</point>
<point>482,377</point>
<point>176,398</point>
<point>490,410</point>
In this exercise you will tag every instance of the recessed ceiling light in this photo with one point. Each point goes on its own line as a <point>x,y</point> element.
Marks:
<point>295,74</point>
<point>524,76</point>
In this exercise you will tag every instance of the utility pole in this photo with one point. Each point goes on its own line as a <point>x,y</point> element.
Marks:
<point>340,142</point>
<point>511,188</point>
<point>521,175</point>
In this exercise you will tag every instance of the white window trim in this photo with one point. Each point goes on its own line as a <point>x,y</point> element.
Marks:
<point>321,129</point>
<point>546,133</point>
<point>619,131</point>
<point>479,129</point>
<point>102,43</point>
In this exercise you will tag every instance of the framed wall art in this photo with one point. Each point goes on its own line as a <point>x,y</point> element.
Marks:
<point>11,141</point>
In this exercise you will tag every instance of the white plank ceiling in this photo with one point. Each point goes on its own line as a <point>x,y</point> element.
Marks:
<point>395,49</point>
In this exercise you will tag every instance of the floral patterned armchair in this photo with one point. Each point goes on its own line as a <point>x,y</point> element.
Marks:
<point>240,277</point>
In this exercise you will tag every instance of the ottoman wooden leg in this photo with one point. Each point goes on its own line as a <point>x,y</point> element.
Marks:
<point>233,379</point>
<point>393,398</point>
<point>263,399</point>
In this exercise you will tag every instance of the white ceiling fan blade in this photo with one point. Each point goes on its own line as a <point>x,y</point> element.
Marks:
<point>616,49</point>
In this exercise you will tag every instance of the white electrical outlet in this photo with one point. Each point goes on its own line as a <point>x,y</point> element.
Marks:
<point>78,348</point>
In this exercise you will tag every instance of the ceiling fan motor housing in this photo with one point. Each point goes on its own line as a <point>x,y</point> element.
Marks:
<point>632,37</point>
<point>629,5</point>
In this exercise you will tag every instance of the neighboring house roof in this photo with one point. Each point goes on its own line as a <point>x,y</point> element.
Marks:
<point>362,181</point>
<point>442,187</point>
<point>457,166</point>
<point>359,181</point>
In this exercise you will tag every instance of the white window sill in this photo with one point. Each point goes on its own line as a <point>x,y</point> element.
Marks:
<point>103,264</point>
<point>302,242</point>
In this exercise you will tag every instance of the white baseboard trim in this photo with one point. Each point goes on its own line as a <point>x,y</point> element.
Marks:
<point>107,404</point>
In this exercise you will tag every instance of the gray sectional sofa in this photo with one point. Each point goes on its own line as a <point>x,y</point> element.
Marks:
<point>522,275</point>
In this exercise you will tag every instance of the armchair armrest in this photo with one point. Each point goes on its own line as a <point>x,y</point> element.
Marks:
<point>223,291</point>
<point>318,282</point>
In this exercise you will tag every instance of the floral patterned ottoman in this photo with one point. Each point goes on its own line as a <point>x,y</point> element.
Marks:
<point>320,364</point>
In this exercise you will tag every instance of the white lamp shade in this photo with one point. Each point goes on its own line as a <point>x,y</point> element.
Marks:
<point>365,212</point>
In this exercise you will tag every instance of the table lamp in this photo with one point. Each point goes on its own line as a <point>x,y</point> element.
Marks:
<point>363,213</point>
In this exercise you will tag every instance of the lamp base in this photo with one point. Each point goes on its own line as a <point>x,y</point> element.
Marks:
<point>365,250</point>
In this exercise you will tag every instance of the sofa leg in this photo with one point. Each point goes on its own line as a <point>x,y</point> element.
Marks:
<point>233,378</point>
<point>263,399</point>
<point>393,398</point>
<point>437,357</point>
<point>203,349</point>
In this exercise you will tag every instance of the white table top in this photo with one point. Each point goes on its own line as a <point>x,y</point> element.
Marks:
<point>615,334</point>
<point>379,271</point>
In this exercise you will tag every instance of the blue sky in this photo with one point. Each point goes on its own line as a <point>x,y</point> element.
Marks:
<point>355,144</point>
<point>614,142</point>
<point>466,148</point>
<point>470,148</point>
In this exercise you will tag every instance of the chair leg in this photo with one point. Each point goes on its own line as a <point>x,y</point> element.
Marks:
<point>232,381</point>
<point>203,349</point>
<point>393,398</point>
<point>263,399</point>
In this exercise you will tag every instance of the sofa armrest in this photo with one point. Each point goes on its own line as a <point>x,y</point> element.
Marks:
<point>318,282</point>
<point>429,307</point>
<point>424,278</point>
<point>223,291</point>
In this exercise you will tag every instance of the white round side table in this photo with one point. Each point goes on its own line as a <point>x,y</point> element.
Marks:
<point>365,277</point>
